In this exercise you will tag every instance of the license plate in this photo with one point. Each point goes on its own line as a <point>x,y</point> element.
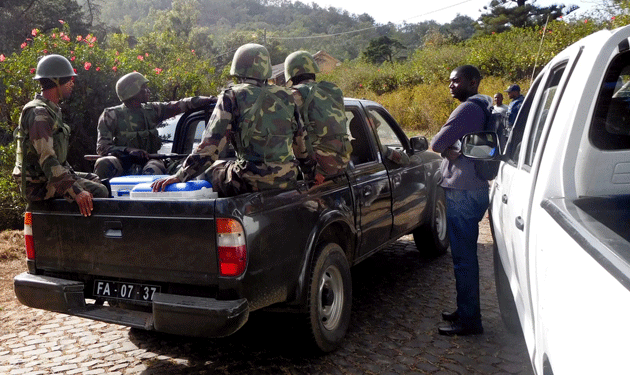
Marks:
<point>124,290</point>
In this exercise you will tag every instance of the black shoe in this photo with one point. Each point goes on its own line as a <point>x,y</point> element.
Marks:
<point>460,330</point>
<point>450,316</point>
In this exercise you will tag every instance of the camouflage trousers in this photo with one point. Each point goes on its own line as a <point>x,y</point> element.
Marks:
<point>228,178</point>
<point>332,155</point>
<point>111,166</point>
<point>37,191</point>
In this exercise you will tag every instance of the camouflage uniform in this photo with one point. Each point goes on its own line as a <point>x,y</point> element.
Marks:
<point>323,112</point>
<point>41,169</point>
<point>325,121</point>
<point>263,124</point>
<point>122,127</point>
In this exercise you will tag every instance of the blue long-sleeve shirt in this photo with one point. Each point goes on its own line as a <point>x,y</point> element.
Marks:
<point>460,173</point>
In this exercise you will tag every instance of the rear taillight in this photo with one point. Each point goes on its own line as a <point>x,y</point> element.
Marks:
<point>231,247</point>
<point>28,236</point>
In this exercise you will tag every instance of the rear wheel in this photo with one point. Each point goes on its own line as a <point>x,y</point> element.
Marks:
<point>432,237</point>
<point>329,298</point>
<point>507,307</point>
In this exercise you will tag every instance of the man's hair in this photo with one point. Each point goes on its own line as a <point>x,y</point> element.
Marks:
<point>469,72</point>
<point>498,93</point>
<point>49,83</point>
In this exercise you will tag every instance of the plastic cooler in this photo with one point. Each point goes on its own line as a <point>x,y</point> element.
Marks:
<point>122,186</point>
<point>196,189</point>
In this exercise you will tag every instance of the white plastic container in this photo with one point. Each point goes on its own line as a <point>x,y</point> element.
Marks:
<point>122,186</point>
<point>196,189</point>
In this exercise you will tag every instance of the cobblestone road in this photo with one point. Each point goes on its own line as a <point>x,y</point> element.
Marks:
<point>398,298</point>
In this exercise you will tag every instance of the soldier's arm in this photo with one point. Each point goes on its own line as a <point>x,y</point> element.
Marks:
<point>58,176</point>
<point>303,153</point>
<point>167,110</point>
<point>215,139</point>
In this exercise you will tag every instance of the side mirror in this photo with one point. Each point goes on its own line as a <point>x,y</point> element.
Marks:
<point>419,143</point>
<point>481,145</point>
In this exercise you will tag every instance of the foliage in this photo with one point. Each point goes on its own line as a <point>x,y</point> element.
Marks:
<point>502,16</point>
<point>382,49</point>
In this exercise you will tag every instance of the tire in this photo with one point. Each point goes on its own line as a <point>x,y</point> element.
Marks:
<point>507,307</point>
<point>432,237</point>
<point>329,299</point>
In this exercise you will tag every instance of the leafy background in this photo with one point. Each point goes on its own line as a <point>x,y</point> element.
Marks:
<point>184,47</point>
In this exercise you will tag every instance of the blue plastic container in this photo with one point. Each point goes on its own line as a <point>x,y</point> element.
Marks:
<point>122,186</point>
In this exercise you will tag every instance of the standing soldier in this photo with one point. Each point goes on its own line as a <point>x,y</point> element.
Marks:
<point>323,112</point>
<point>262,122</point>
<point>41,169</point>
<point>128,133</point>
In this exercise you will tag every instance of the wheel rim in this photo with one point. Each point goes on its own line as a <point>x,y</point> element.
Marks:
<point>440,220</point>
<point>330,298</point>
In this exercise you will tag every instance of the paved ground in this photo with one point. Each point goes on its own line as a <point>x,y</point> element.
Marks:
<point>398,298</point>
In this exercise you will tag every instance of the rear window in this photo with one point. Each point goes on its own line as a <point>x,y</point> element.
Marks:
<point>610,129</point>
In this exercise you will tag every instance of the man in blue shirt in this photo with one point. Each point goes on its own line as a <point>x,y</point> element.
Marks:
<point>466,198</point>
<point>514,93</point>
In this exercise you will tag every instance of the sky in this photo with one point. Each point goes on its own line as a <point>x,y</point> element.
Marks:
<point>414,11</point>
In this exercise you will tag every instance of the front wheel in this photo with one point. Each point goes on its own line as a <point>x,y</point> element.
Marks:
<point>329,298</point>
<point>431,238</point>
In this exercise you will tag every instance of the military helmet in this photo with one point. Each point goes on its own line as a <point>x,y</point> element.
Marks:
<point>299,62</point>
<point>251,61</point>
<point>54,67</point>
<point>130,85</point>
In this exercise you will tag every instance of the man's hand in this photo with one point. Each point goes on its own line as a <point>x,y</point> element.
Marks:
<point>138,153</point>
<point>319,179</point>
<point>84,200</point>
<point>162,183</point>
<point>451,154</point>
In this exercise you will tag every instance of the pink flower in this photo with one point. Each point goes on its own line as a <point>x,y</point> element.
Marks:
<point>66,38</point>
<point>23,45</point>
<point>146,54</point>
<point>140,57</point>
<point>34,32</point>
<point>2,58</point>
<point>158,70</point>
<point>117,53</point>
<point>32,70</point>
<point>193,51</point>
<point>45,51</point>
<point>61,22</point>
<point>54,35</point>
<point>75,70</point>
<point>87,65</point>
<point>98,68</point>
<point>79,38</point>
<point>73,58</point>
<point>115,68</point>
<point>585,21</point>
<point>613,18</point>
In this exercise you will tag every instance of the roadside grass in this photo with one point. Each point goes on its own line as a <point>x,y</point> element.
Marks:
<point>11,245</point>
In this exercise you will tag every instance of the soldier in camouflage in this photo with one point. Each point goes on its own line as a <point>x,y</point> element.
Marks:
<point>41,169</point>
<point>323,112</point>
<point>262,123</point>
<point>128,133</point>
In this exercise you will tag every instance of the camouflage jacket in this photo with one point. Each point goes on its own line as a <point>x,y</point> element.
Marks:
<point>42,147</point>
<point>263,124</point>
<point>121,127</point>
<point>323,112</point>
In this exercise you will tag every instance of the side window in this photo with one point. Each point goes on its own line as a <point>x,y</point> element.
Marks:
<point>610,129</point>
<point>542,112</point>
<point>515,140</point>
<point>384,132</point>
<point>362,151</point>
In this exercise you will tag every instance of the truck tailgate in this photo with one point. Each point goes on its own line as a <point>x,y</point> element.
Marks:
<point>164,241</point>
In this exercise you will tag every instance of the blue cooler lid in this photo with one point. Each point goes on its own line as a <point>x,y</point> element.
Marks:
<point>135,179</point>
<point>180,186</point>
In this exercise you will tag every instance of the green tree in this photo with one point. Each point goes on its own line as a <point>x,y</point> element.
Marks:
<point>382,49</point>
<point>505,14</point>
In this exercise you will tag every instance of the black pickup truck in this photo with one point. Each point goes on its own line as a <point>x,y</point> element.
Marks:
<point>199,267</point>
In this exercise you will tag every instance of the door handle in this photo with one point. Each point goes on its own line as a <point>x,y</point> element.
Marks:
<point>504,198</point>
<point>113,229</point>
<point>520,224</point>
<point>367,191</point>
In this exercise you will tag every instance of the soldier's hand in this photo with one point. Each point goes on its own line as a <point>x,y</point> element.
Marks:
<point>319,179</point>
<point>84,200</point>
<point>138,153</point>
<point>162,183</point>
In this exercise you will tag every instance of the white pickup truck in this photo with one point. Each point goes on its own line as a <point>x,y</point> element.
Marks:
<point>560,211</point>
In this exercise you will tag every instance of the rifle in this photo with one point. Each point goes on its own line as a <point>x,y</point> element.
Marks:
<point>151,156</point>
